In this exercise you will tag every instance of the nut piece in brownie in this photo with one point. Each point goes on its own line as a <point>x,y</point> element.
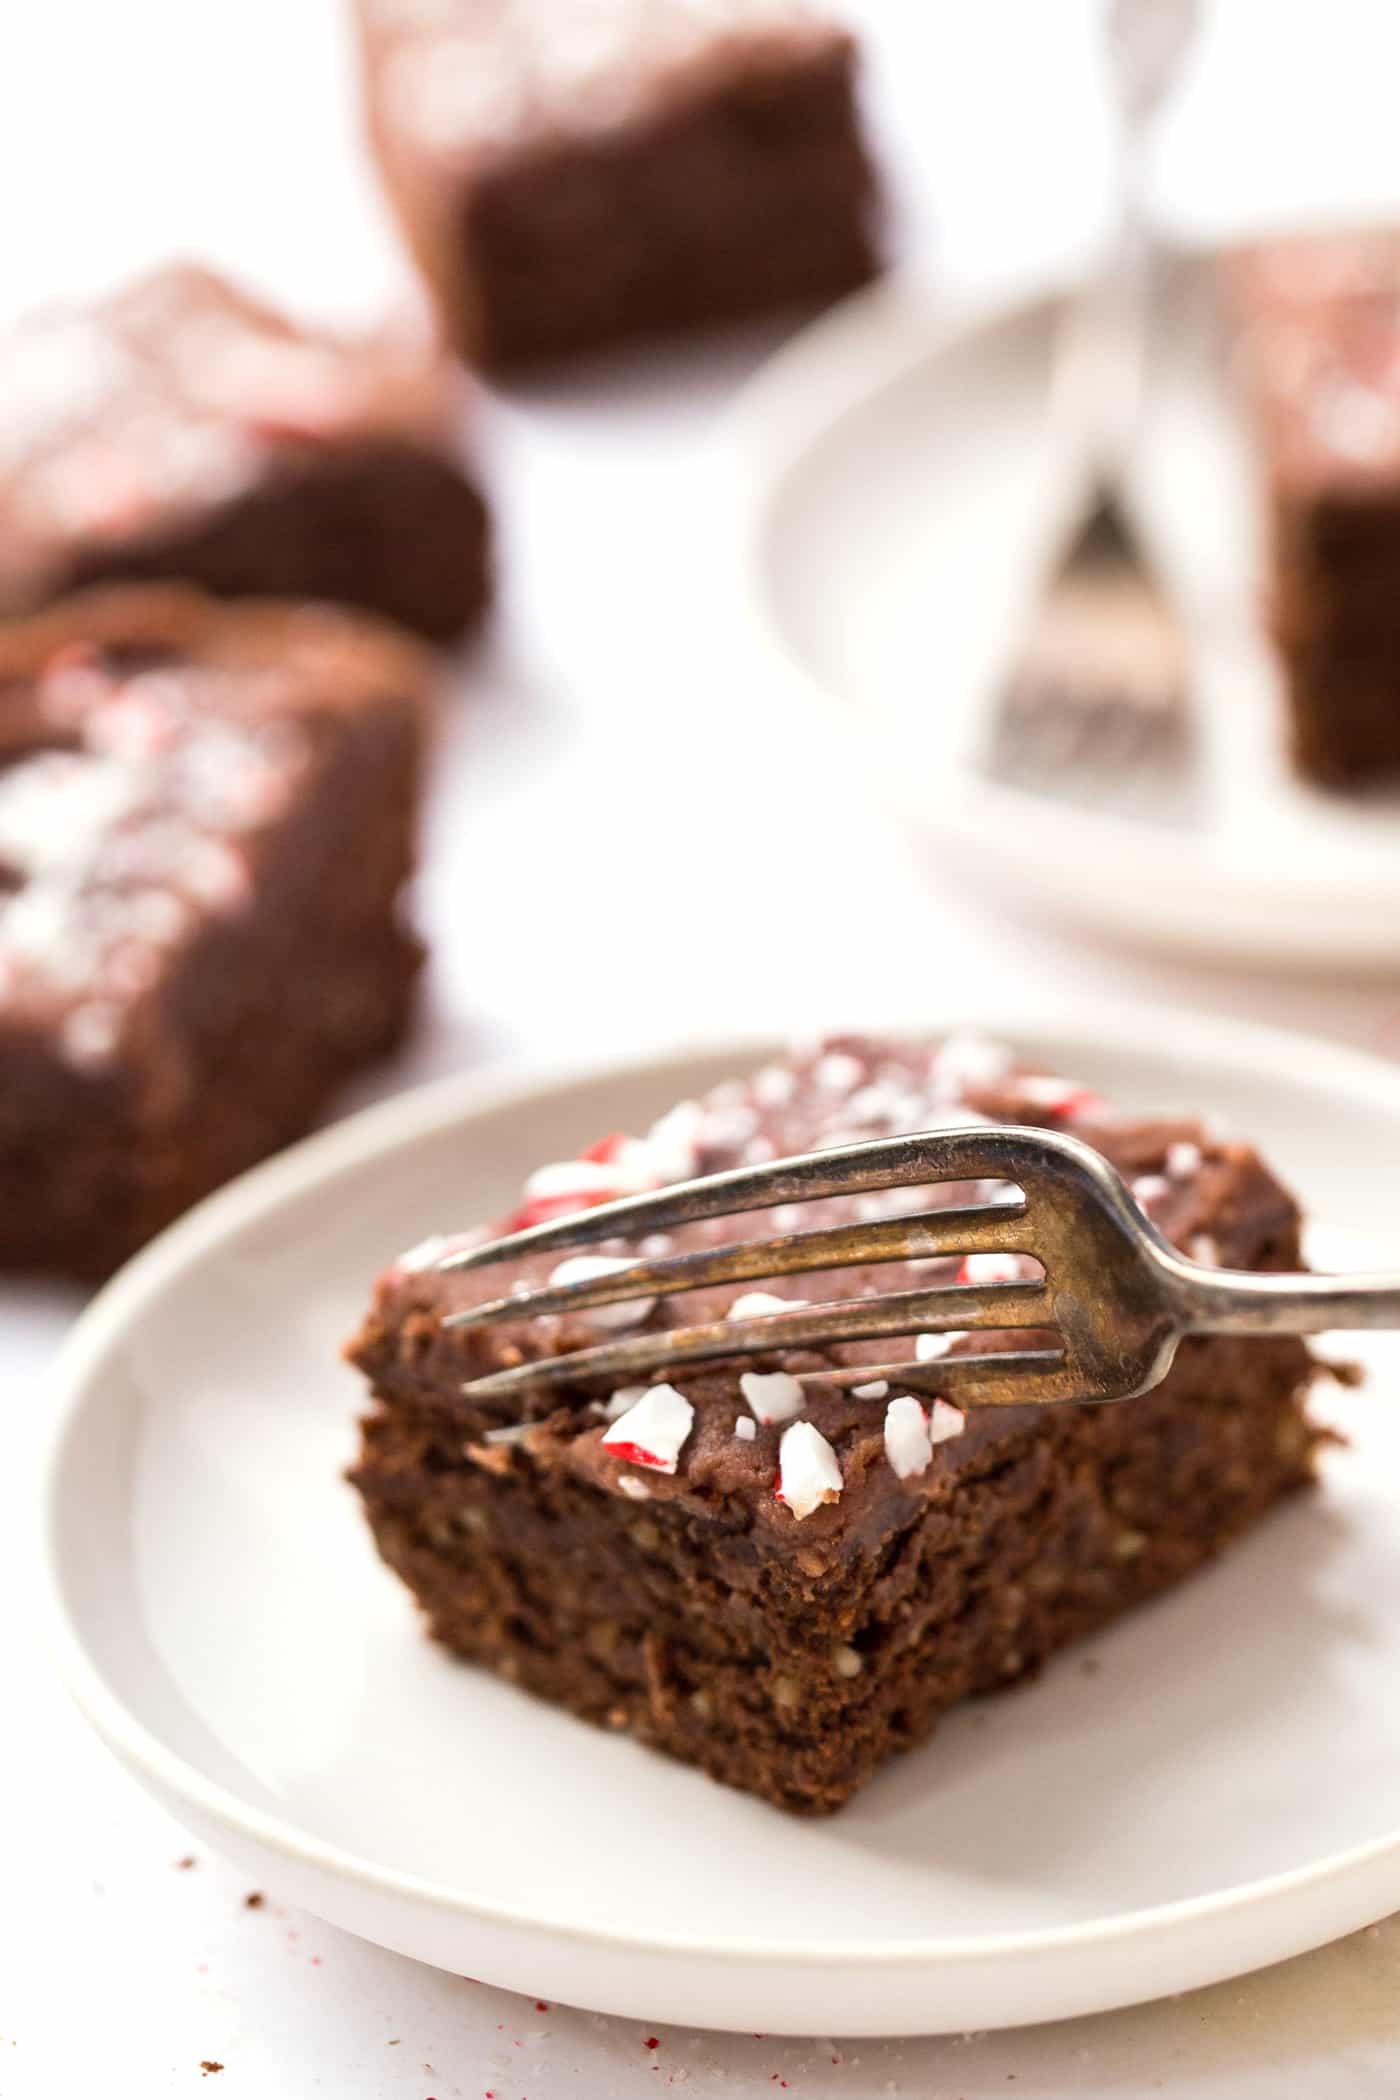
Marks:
<point>1320,360</point>
<point>206,815</point>
<point>786,1585</point>
<point>576,173</point>
<point>179,431</point>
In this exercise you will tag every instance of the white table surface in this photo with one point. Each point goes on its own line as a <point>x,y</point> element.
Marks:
<point>612,719</point>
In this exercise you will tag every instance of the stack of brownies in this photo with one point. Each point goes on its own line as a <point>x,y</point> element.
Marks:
<point>1320,359</point>
<point>216,527</point>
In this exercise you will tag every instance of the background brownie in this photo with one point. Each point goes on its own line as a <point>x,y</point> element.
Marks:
<point>190,958</point>
<point>179,430</point>
<point>1321,363</point>
<point>786,1588</point>
<point>574,173</point>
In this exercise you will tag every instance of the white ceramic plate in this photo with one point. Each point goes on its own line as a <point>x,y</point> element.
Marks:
<point>903,490</point>
<point>1224,1790</point>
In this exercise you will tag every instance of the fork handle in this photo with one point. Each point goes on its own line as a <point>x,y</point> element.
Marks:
<point>1234,1301</point>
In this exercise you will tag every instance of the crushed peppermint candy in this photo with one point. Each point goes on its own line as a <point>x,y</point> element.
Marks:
<point>875,1390</point>
<point>1183,1160</point>
<point>513,1433</point>
<point>626,1396</point>
<point>838,1072</point>
<point>1059,1097</point>
<point>992,1268</point>
<point>1205,1248</point>
<point>637,1489</point>
<point>774,1086</point>
<point>753,1305</point>
<point>907,1443</point>
<point>652,1432</point>
<point>1150,1188</point>
<point>969,1060</point>
<point>674,1140</point>
<point>588,1268</point>
<point>945,1421</point>
<point>745,1428</point>
<point>929,1347</point>
<point>774,1396</point>
<point>809,1472</point>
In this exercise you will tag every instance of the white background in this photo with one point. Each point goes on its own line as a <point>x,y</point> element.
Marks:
<point>623,819</point>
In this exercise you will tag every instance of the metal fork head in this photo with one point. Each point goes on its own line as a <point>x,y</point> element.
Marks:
<point>1097,1325</point>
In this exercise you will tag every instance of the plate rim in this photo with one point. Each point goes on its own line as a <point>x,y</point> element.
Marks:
<point>781,414</point>
<point>437,1106</point>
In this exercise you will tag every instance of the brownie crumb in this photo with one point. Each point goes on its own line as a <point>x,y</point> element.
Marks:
<point>208,2066</point>
<point>187,1862</point>
<point>254,1900</point>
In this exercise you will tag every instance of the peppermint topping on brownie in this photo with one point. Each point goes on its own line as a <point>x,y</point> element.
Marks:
<point>774,1396</point>
<point>809,1472</point>
<point>875,1390</point>
<point>967,1061</point>
<point>587,1268</point>
<point>944,1421</point>
<point>1150,1188</point>
<point>838,1072</point>
<point>652,1432</point>
<point>626,1396</point>
<point>745,1428</point>
<point>929,1347</point>
<point>109,852</point>
<point>755,1305</point>
<point>907,1444</point>
<point>992,1268</point>
<point>1183,1160</point>
<point>1058,1097</point>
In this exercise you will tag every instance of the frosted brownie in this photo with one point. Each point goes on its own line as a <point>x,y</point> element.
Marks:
<point>787,1590</point>
<point>206,816</point>
<point>1320,358</point>
<point>577,173</point>
<point>178,430</point>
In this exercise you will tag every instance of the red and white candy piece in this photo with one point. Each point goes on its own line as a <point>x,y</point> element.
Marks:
<point>586,1268</point>
<point>1060,1097</point>
<point>991,1268</point>
<point>755,1305</point>
<point>809,1472</point>
<point>652,1432</point>
<point>911,1432</point>
<point>774,1396</point>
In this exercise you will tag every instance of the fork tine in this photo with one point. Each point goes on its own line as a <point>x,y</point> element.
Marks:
<point>986,1228</point>
<point>975,1154</point>
<point>994,1378</point>
<point>902,1313</point>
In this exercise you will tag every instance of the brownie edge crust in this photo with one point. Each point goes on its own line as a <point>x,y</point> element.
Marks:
<point>788,1637</point>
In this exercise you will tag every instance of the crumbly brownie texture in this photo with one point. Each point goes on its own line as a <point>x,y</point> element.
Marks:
<point>190,959</point>
<point>1320,358</point>
<point>787,1588</point>
<point>575,173</point>
<point>179,431</point>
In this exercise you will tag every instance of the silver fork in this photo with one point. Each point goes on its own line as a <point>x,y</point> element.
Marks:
<point>1096,706</point>
<point>1114,1301</point>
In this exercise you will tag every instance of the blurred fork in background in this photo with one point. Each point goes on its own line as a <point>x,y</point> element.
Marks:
<point>1096,707</point>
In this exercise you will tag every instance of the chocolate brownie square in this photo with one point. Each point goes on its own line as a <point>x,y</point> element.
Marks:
<point>786,1584</point>
<point>181,431</point>
<point>577,173</point>
<point>1320,359</point>
<point>207,814</point>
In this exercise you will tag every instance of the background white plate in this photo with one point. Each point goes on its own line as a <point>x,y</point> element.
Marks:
<point>903,493</point>
<point>1222,1791</point>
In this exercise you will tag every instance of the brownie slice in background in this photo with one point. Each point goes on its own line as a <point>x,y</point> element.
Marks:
<point>178,430</point>
<point>577,173</point>
<point>207,813</point>
<point>1319,322</point>
<point>786,1586</point>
